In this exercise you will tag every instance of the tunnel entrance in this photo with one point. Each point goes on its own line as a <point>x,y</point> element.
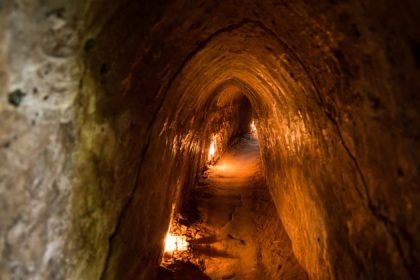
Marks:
<point>228,227</point>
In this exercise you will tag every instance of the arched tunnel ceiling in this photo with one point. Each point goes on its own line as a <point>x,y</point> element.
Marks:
<point>296,128</point>
<point>299,69</point>
<point>333,86</point>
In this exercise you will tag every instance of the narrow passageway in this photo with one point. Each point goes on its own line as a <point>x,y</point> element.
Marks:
<point>111,112</point>
<point>237,232</point>
<point>227,212</point>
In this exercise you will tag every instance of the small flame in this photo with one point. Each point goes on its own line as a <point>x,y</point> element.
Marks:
<point>212,150</point>
<point>175,243</point>
<point>253,127</point>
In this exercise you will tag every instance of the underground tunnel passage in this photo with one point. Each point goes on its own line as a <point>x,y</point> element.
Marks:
<point>265,139</point>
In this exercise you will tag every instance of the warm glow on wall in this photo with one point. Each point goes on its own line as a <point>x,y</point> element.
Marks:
<point>212,150</point>
<point>253,127</point>
<point>175,243</point>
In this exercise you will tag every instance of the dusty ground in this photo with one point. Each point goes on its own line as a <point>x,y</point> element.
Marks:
<point>237,231</point>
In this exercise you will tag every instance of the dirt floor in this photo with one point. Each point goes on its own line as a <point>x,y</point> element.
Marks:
<point>232,224</point>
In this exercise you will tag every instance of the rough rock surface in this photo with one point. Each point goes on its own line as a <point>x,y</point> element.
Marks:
<point>103,111</point>
<point>40,73</point>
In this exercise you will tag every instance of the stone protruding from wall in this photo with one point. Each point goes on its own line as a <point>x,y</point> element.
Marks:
<point>40,76</point>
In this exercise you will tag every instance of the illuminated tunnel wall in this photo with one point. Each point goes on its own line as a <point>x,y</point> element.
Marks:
<point>139,88</point>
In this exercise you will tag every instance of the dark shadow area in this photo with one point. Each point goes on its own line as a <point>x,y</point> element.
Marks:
<point>181,271</point>
<point>206,250</point>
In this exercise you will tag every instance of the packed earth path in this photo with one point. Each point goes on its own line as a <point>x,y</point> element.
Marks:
<point>241,236</point>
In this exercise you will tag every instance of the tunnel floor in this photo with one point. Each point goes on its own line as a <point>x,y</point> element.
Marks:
<point>233,223</point>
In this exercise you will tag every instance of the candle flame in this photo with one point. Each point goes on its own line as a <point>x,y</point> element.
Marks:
<point>175,243</point>
<point>253,127</point>
<point>212,150</point>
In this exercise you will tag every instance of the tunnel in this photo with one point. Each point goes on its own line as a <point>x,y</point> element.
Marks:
<point>118,117</point>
